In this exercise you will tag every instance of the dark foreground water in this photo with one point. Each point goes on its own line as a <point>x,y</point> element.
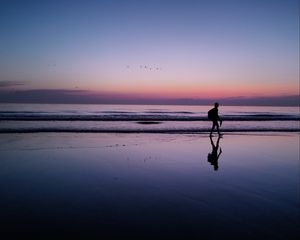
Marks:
<point>149,186</point>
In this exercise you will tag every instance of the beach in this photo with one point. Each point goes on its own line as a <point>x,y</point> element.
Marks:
<point>149,120</point>
<point>149,186</point>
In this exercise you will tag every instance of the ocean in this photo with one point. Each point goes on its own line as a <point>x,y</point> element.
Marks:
<point>16,118</point>
<point>76,172</point>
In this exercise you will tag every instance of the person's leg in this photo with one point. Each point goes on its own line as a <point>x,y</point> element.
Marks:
<point>218,141</point>
<point>212,128</point>
<point>218,129</point>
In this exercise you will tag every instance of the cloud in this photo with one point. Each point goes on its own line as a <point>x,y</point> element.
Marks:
<point>5,84</point>
<point>44,96</point>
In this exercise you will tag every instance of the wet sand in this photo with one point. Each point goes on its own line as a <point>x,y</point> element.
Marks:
<point>149,186</point>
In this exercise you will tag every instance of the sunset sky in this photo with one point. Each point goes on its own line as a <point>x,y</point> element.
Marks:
<point>150,49</point>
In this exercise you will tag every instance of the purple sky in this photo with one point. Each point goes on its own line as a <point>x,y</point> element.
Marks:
<point>155,51</point>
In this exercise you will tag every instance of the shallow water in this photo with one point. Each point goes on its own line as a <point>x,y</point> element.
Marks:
<point>150,186</point>
<point>16,118</point>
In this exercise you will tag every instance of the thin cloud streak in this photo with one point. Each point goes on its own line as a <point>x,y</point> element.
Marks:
<point>6,84</point>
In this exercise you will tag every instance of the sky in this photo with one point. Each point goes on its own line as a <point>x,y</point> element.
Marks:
<point>133,50</point>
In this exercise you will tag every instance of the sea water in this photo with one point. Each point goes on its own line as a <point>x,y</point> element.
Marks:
<point>143,118</point>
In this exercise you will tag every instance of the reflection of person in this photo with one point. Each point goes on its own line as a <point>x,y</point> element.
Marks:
<point>213,157</point>
<point>213,116</point>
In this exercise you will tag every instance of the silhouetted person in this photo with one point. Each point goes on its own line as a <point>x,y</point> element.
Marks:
<point>213,157</point>
<point>213,115</point>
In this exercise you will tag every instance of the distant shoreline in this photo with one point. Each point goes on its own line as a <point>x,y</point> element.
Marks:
<point>42,96</point>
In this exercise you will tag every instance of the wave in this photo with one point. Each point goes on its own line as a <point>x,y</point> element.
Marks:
<point>178,131</point>
<point>141,117</point>
<point>166,112</point>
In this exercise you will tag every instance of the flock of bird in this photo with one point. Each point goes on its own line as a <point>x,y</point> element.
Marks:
<point>145,67</point>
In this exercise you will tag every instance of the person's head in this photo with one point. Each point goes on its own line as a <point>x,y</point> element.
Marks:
<point>216,104</point>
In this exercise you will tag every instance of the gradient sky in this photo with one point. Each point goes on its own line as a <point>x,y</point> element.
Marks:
<point>152,49</point>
